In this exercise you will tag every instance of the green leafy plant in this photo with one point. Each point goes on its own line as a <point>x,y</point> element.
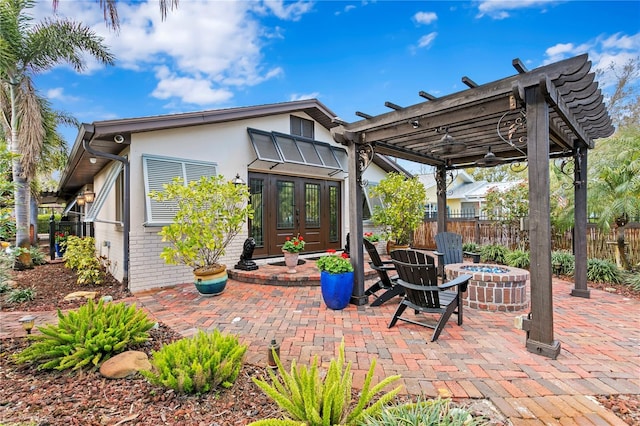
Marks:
<point>334,264</point>
<point>402,206</point>
<point>494,253</point>
<point>37,256</point>
<point>436,412</point>
<point>315,401</point>
<point>21,295</point>
<point>198,364</point>
<point>87,336</point>
<point>80,256</point>
<point>603,271</point>
<point>632,280</point>
<point>372,237</point>
<point>294,245</point>
<point>564,261</point>
<point>518,259</point>
<point>470,247</point>
<point>209,214</point>
<point>6,263</point>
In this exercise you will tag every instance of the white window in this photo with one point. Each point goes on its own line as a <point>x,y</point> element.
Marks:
<point>369,202</point>
<point>159,171</point>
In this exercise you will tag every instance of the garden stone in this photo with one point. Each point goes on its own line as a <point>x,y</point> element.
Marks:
<point>81,294</point>
<point>125,364</point>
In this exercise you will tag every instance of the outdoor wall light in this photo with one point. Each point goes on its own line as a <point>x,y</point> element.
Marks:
<point>89,196</point>
<point>238,180</point>
<point>27,321</point>
<point>80,200</point>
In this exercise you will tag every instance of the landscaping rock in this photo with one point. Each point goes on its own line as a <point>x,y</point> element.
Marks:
<point>125,364</point>
<point>81,294</point>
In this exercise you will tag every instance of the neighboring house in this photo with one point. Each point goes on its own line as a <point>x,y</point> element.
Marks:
<point>465,196</point>
<point>284,152</point>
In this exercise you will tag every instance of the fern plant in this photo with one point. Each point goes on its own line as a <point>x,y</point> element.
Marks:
<point>518,259</point>
<point>632,280</point>
<point>198,364</point>
<point>494,253</point>
<point>89,335</point>
<point>314,401</point>
<point>603,271</point>
<point>80,256</point>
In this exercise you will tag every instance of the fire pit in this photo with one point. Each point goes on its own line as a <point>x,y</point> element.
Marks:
<point>493,287</point>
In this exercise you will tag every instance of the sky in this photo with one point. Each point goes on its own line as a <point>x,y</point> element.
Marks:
<point>350,55</point>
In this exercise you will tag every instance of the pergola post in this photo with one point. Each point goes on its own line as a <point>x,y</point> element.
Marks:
<point>355,224</point>
<point>441,187</point>
<point>540,323</point>
<point>580,223</point>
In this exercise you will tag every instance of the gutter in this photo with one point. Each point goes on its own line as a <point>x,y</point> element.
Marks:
<point>89,132</point>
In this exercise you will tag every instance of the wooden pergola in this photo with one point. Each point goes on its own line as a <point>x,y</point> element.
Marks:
<point>532,118</point>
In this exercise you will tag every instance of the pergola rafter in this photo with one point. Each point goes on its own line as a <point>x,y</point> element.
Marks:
<point>556,110</point>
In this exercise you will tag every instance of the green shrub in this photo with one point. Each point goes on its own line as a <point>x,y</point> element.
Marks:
<point>6,264</point>
<point>565,259</point>
<point>198,364</point>
<point>494,253</point>
<point>21,295</point>
<point>80,256</point>
<point>632,280</point>
<point>89,335</point>
<point>37,256</point>
<point>518,259</point>
<point>436,412</point>
<point>4,287</point>
<point>470,247</point>
<point>308,398</point>
<point>603,271</point>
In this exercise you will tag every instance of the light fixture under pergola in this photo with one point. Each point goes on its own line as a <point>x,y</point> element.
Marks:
<point>448,145</point>
<point>489,160</point>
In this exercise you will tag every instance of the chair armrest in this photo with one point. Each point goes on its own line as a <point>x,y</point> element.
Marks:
<point>460,280</point>
<point>476,256</point>
<point>437,253</point>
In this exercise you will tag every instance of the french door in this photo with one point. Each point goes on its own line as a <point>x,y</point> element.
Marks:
<point>286,206</point>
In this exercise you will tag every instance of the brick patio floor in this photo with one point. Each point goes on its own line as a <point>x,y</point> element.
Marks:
<point>484,358</point>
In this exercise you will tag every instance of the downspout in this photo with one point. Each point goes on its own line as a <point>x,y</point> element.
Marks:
<point>89,133</point>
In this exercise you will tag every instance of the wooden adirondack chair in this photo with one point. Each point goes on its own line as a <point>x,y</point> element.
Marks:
<point>449,250</point>
<point>417,275</point>
<point>385,282</point>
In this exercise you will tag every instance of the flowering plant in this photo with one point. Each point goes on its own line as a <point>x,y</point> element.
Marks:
<point>371,237</point>
<point>334,264</point>
<point>294,245</point>
<point>61,237</point>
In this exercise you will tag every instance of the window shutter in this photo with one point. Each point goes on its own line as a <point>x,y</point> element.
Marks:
<point>95,208</point>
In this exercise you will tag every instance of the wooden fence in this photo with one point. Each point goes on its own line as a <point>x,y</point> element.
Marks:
<point>600,244</point>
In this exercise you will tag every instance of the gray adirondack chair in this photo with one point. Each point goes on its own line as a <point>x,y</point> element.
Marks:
<point>385,282</point>
<point>449,250</point>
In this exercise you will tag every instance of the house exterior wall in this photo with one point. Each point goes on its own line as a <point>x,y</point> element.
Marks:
<point>228,146</point>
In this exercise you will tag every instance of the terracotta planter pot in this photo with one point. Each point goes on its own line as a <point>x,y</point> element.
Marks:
<point>393,246</point>
<point>211,281</point>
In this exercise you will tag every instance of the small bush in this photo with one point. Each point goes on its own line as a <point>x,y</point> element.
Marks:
<point>4,287</point>
<point>6,264</point>
<point>315,401</point>
<point>89,335</point>
<point>436,412</point>
<point>566,260</point>
<point>603,271</point>
<point>494,253</point>
<point>198,364</point>
<point>21,295</point>
<point>518,259</point>
<point>632,280</point>
<point>80,256</point>
<point>37,256</point>
<point>470,247</point>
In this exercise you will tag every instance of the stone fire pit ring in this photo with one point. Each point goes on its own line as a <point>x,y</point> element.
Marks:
<point>492,287</point>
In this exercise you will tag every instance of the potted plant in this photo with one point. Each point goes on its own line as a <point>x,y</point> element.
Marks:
<point>60,243</point>
<point>210,212</point>
<point>291,249</point>
<point>336,279</point>
<point>401,210</point>
<point>371,237</point>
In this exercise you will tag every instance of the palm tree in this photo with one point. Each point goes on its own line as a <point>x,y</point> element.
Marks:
<point>26,50</point>
<point>110,10</point>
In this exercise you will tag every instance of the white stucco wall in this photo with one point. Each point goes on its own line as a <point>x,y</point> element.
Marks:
<point>226,144</point>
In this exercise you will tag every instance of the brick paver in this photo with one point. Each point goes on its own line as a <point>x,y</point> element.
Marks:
<point>484,358</point>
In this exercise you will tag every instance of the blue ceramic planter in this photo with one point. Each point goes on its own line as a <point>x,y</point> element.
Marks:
<point>211,284</point>
<point>336,289</point>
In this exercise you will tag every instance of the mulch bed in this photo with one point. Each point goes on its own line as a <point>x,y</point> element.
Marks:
<point>86,398</point>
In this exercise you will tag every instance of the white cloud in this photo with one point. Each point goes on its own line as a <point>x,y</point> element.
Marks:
<point>57,93</point>
<point>425,17</point>
<point>427,40</point>
<point>299,97</point>
<point>498,9</point>
<point>206,48</point>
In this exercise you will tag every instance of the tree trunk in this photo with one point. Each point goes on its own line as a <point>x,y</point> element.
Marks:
<point>622,248</point>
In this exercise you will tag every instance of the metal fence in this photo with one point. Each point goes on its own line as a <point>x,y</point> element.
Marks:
<point>66,227</point>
